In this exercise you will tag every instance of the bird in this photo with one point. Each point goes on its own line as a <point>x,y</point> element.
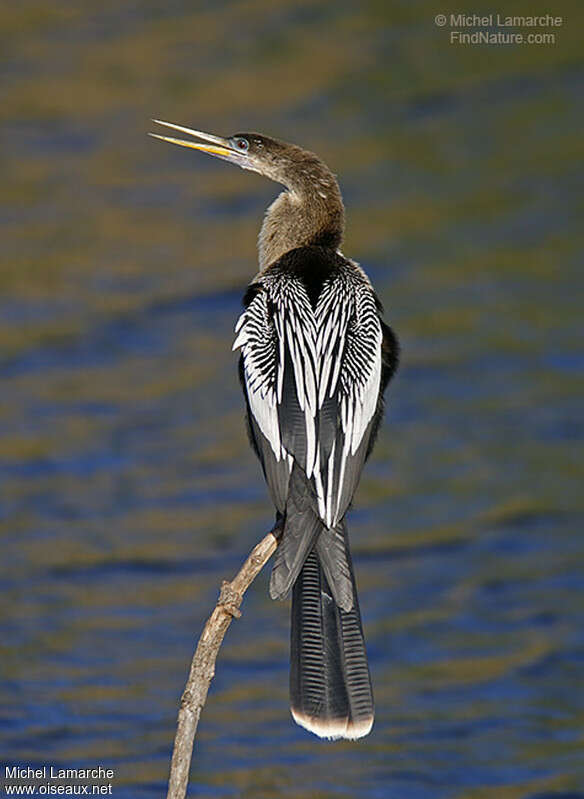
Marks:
<point>315,360</point>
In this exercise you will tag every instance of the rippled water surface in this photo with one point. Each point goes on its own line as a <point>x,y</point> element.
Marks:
<point>128,491</point>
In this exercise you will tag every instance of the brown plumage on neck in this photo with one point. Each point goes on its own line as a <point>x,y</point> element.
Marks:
<point>309,211</point>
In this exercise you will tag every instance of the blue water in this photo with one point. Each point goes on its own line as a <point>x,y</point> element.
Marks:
<point>127,488</point>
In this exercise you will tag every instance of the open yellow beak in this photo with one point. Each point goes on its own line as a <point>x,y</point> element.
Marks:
<point>217,146</point>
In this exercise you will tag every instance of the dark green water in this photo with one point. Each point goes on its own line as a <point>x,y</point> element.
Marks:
<point>128,491</point>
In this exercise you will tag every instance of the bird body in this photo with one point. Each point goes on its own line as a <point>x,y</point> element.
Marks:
<point>315,360</point>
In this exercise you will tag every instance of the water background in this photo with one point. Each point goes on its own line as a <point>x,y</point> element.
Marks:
<point>127,488</point>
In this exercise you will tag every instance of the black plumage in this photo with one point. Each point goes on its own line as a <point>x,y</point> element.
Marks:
<point>315,360</point>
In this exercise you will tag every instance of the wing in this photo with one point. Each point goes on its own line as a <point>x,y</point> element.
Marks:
<point>349,357</point>
<point>261,361</point>
<point>276,336</point>
<point>312,381</point>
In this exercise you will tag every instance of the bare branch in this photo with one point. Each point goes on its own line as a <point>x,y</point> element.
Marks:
<point>203,663</point>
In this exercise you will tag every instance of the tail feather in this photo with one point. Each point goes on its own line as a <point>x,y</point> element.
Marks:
<point>330,685</point>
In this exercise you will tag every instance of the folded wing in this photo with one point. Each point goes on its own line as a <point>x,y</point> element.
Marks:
<point>311,371</point>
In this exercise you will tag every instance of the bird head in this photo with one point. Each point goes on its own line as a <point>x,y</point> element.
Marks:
<point>281,162</point>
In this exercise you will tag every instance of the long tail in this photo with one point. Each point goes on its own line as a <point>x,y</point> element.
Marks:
<point>330,685</point>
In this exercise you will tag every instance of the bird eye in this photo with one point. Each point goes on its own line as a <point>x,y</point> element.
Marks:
<point>242,144</point>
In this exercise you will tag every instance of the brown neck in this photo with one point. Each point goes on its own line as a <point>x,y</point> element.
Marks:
<point>310,212</point>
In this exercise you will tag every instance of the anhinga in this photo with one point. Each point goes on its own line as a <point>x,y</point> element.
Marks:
<point>315,360</point>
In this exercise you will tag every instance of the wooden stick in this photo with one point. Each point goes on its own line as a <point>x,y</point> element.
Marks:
<point>203,663</point>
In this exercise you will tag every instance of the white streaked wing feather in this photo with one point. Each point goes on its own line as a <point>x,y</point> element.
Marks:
<point>261,358</point>
<point>335,351</point>
<point>350,368</point>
